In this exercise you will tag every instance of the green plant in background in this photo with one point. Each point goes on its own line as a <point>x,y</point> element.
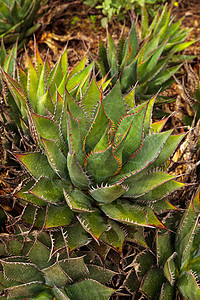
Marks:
<point>119,8</point>
<point>16,20</point>
<point>38,265</point>
<point>148,63</point>
<point>98,158</point>
<point>176,266</point>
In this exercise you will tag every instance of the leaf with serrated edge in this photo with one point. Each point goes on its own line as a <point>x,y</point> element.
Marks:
<point>114,237</point>
<point>88,289</point>
<point>36,163</point>
<point>78,201</point>
<point>107,194</point>
<point>125,212</point>
<point>78,177</point>
<point>93,223</point>
<point>56,158</point>
<point>50,190</point>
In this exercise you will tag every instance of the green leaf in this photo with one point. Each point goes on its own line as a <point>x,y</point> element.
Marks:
<point>131,214</point>
<point>76,236</point>
<point>135,135</point>
<point>48,129</point>
<point>148,183</point>
<point>91,98</point>
<point>58,216</point>
<point>142,160</point>
<point>56,159</point>
<point>114,237</point>
<point>21,272</point>
<point>152,282</point>
<point>50,190</point>
<point>93,223</point>
<point>97,129</point>
<point>102,165</point>
<point>88,289</point>
<point>170,269</point>
<point>188,286</point>
<point>74,267</point>
<point>188,226</point>
<point>43,259</point>
<point>112,57</point>
<point>129,76</point>
<point>107,194</point>
<point>114,109</point>
<point>78,177</point>
<point>36,163</point>
<point>56,276</point>
<point>25,290</point>
<point>78,201</point>
<point>59,293</point>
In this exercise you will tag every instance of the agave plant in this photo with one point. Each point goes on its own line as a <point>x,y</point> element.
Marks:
<point>149,62</point>
<point>37,86</point>
<point>98,159</point>
<point>175,269</point>
<point>16,20</point>
<point>36,265</point>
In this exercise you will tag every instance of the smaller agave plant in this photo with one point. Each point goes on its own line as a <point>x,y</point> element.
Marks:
<point>148,63</point>
<point>38,265</point>
<point>16,20</point>
<point>99,158</point>
<point>175,269</point>
<point>36,86</point>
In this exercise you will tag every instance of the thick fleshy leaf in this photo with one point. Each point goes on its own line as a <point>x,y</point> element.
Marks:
<point>142,160</point>
<point>114,237</point>
<point>188,286</point>
<point>96,130</point>
<point>25,290</point>
<point>32,84</point>
<point>125,212</point>
<point>77,112</point>
<point>59,293</point>
<point>159,181</point>
<point>56,158</point>
<point>135,135</point>
<point>30,198</point>
<point>21,271</point>
<point>36,163</point>
<point>112,57</point>
<point>152,283</point>
<point>100,274</point>
<point>114,109</point>
<point>131,46</point>
<point>91,98</point>
<point>135,234</point>
<point>102,165</point>
<point>78,201</point>
<point>167,292</point>
<point>167,150</point>
<point>79,77</point>
<point>107,194</point>
<point>50,190</point>
<point>188,226</point>
<point>88,289</point>
<point>58,216</point>
<point>76,236</point>
<point>43,259</point>
<point>129,77</point>
<point>48,130</point>
<point>170,269</point>
<point>78,176</point>
<point>93,223</point>
<point>56,276</point>
<point>74,267</point>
